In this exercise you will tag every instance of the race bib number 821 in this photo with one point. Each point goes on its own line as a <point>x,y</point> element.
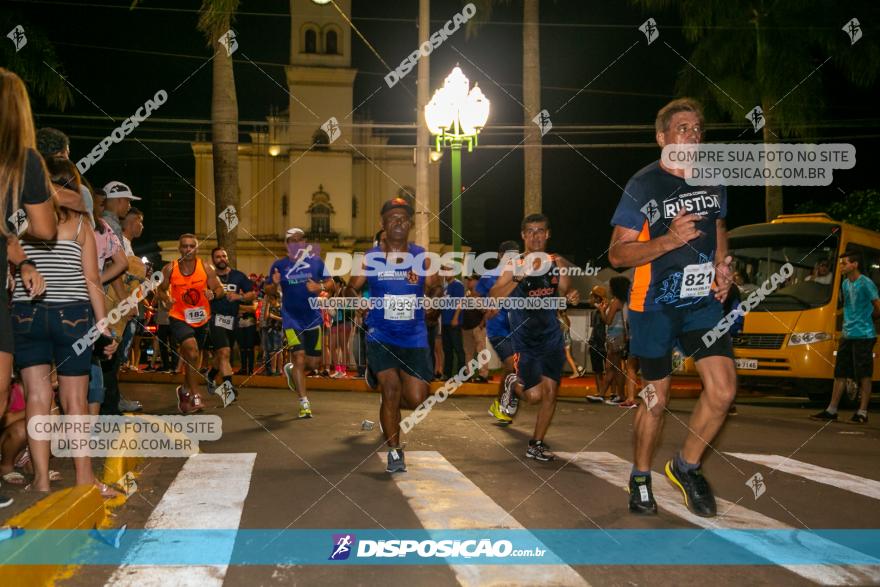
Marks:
<point>696,280</point>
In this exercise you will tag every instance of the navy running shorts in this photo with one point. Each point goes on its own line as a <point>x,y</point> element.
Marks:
<point>654,335</point>
<point>307,340</point>
<point>531,366</point>
<point>503,346</point>
<point>415,361</point>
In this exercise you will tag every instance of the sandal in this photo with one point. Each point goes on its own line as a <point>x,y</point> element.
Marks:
<point>30,489</point>
<point>14,478</point>
<point>54,476</point>
<point>23,459</point>
<point>106,491</point>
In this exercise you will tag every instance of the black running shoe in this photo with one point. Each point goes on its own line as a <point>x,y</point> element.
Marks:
<point>539,451</point>
<point>695,489</point>
<point>858,419</point>
<point>824,416</point>
<point>396,462</point>
<point>641,498</point>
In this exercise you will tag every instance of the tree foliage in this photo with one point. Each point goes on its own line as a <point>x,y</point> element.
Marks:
<point>861,208</point>
<point>36,63</point>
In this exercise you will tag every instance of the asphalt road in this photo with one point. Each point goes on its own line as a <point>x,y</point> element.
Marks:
<point>465,472</point>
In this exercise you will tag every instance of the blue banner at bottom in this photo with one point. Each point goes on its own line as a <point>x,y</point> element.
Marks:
<point>445,547</point>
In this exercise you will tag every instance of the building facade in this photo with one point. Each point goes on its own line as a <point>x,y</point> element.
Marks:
<point>318,166</point>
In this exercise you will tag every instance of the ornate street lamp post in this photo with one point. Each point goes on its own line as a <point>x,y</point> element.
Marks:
<point>455,115</point>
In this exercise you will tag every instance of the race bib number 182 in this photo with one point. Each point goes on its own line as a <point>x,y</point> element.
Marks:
<point>194,315</point>
<point>696,280</point>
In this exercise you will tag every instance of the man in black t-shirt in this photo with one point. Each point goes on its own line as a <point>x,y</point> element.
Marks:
<point>224,316</point>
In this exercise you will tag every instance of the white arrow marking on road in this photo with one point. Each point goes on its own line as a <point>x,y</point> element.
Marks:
<point>847,481</point>
<point>444,499</point>
<point>207,494</point>
<point>616,471</point>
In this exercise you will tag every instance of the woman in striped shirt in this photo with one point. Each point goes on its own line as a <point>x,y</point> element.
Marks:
<point>54,327</point>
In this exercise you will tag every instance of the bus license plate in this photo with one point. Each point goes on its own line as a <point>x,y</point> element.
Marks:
<point>747,363</point>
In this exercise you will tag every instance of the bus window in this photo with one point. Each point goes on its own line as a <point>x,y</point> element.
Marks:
<point>757,257</point>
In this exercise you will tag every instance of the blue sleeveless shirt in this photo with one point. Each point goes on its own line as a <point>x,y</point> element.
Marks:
<point>536,331</point>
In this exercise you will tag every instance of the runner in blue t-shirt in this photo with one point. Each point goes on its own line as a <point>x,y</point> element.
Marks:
<point>498,329</point>
<point>397,338</point>
<point>855,354</point>
<point>537,337</point>
<point>301,277</point>
<point>674,235</point>
<point>224,317</point>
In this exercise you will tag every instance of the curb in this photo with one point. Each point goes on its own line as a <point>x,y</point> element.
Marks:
<point>80,507</point>
<point>682,387</point>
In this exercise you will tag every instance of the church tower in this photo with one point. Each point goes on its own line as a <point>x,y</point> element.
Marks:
<point>309,167</point>
<point>320,81</point>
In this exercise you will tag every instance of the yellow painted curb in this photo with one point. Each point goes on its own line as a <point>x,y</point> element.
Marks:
<point>80,507</point>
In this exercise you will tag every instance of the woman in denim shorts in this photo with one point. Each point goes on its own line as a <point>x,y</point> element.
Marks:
<point>54,328</point>
<point>25,204</point>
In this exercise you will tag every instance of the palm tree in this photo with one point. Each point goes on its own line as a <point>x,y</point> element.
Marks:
<point>532,103</point>
<point>532,202</point>
<point>215,18</point>
<point>769,53</point>
<point>36,63</point>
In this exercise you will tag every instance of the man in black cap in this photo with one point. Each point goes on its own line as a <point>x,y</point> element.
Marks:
<point>397,339</point>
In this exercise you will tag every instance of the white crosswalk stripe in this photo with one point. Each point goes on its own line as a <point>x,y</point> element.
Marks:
<point>616,471</point>
<point>208,493</point>
<point>854,483</point>
<point>442,497</point>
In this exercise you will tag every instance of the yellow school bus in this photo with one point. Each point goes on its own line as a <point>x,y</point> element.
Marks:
<point>788,341</point>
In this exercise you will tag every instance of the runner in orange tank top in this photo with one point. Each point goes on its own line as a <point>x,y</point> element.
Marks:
<point>188,287</point>
<point>189,294</point>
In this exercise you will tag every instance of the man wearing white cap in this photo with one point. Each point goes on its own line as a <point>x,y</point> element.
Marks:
<point>117,203</point>
<point>301,276</point>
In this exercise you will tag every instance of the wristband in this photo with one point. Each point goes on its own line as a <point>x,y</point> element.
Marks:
<point>26,262</point>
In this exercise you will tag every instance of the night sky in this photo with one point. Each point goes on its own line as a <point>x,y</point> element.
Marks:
<point>117,58</point>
